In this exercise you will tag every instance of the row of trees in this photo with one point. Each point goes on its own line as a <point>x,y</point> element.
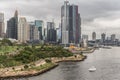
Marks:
<point>29,54</point>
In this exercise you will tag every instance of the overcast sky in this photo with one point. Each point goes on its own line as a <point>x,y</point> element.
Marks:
<point>97,15</point>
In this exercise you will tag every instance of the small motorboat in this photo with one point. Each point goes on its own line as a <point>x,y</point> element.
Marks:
<point>92,69</point>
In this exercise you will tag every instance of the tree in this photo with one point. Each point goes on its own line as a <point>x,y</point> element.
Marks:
<point>5,42</point>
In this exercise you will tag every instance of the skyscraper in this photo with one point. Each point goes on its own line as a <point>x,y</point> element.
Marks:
<point>71,24</point>
<point>2,28</point>
<point>113,37</point>
<point>23,30</point>
<point>74,24</point>
<point>34,33</point>
<point>39,25</point>
<point>93,36</point>
<point>65,22</point>
<point>51,32</point>
<point>45,35</point>
<point>58,32</point>
<point>12,26</point>
<point>103,37</point>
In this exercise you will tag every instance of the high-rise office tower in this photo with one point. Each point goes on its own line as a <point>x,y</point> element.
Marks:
<point>45,34</point>
<point>103,37</point>
<point>12,26</point>
<point>74,24</point>
<point>58,32</point>
<point>23,30</point>
<point>93,36</point>
<point>34,32</point>
<point>70,23</point>
<point>51,32</point>
<point>39,24</point>
<point>65,22</point>
<point>2,28</point>
<point>113,37</point>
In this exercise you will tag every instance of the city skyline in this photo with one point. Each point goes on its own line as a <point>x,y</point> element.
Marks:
<point>97,15</point>
<point>59,39</point>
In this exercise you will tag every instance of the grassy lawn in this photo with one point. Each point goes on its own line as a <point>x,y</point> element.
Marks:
<point>7,49</point>
<point>4,49</point>
<point>45,66</point>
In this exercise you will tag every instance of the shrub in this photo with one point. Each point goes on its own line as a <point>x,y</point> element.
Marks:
<point>13,68</point>
<point>21,69</point>
<point>26,66</point>
<point>48,61</point>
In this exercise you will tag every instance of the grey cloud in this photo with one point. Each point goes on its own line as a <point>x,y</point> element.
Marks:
<point>98,8</point>
<point>89,9</point>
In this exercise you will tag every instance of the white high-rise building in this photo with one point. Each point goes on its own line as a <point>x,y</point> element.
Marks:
<point>2,28</point>
<point>23,30</point>
<point>36,33</point>
<point>65,22</point>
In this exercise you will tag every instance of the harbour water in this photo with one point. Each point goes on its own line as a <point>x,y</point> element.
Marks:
<point>106,61</point>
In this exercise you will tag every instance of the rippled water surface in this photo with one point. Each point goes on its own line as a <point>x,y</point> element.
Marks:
<point>107,62</point>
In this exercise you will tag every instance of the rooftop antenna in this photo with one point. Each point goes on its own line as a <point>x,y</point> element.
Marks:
<point>53,20</point>
<point>66,1</point>
<point>53,23</point>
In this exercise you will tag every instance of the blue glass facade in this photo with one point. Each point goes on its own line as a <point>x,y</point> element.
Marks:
<point>39,24</point>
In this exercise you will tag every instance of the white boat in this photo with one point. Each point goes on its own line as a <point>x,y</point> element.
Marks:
<point>92,69</point>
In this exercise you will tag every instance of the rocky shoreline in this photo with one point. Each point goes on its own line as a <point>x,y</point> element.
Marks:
<point>35,73</point>
<point>90,51</point>
<point>31,72</point>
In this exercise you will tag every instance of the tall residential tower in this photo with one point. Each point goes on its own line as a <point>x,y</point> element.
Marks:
<point>23,30</point>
